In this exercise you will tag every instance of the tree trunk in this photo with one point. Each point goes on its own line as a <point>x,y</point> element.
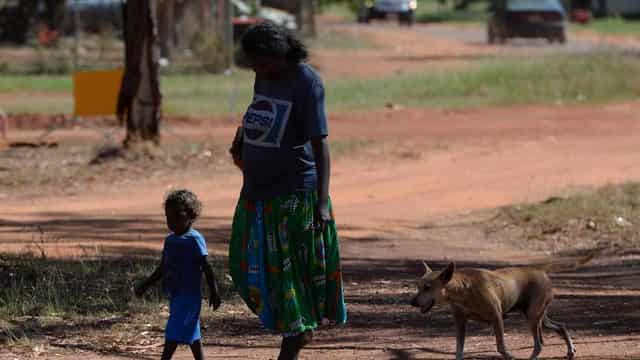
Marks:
<point>54,13</point>
<point>224,24</point>
<point>18,20</point>
<point>307,18</point>
<point>166,26</point>
<point>140,98</point>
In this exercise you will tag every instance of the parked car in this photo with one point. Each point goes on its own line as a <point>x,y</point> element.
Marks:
<point>242,10</point>
<point>526,19</point>
<point>243,18</point>
<point>380,9</point>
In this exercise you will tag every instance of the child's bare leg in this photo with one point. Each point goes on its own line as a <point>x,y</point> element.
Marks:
<point>169,349</point>
<point>196,350</point>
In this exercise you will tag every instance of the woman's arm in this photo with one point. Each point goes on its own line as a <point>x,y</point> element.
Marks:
<point>214,298</point>
<point>322,157</point>
<point>155,276</point>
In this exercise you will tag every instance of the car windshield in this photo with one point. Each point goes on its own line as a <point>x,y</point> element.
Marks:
<point>82,4</point>
<point>527,5</point>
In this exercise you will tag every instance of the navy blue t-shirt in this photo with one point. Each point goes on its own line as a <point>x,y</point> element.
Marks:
<point>182,271</point>
<point>277,157</point>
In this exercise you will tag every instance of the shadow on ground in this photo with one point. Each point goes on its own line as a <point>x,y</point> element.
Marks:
<point>598,298</point>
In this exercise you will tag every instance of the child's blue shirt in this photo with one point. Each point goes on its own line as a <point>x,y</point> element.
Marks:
<point>182,265</point>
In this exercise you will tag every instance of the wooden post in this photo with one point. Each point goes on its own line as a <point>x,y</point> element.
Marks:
<point>224,14</point>
<point>4,124</point>
<point>307,24</point>
<point>166,26</point>
<point>76,39</point>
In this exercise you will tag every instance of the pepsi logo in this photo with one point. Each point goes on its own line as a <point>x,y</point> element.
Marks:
<point>259,119</point>
<point>266,120</point>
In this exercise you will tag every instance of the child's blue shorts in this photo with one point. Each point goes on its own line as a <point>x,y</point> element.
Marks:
<point>183,325</point>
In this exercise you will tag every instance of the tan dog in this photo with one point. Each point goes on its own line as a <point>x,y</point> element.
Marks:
<point>486,296</point>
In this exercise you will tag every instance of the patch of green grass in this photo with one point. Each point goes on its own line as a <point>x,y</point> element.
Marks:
<point>12,83</point>
<point>561,79</point>
<point>613,26</point>
<point>197,95</point>
<point>207,94</point>
<point>557,80</point>
<point>35,286</point>
<point>341,10</point>
<point>429,11</point>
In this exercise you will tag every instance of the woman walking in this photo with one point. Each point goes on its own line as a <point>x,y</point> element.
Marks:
<point>284,251</point>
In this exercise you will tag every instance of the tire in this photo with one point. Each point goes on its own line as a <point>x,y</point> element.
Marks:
<point>407,18</point>
<point>412,18</point>
<point>495,38</point>
<point>562,39</point>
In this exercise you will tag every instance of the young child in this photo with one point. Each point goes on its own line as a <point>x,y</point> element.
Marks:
<point>184,259</point>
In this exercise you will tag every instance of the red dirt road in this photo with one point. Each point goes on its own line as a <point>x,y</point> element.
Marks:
<point>415,165</point>
<point>396,199</point>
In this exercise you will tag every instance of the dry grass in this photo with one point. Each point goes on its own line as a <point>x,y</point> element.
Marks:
<point>606,217</point>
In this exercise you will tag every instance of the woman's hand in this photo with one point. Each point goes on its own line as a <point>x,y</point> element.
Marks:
<point>214,301</point>
<point>322,216</point>
<point>320,147</point>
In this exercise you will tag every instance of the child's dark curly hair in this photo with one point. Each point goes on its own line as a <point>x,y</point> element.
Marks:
<point>269,40</point>
<point>185,199</point>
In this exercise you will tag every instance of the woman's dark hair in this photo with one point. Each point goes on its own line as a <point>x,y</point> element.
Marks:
<point>185,199</point>
<point>268,40</point>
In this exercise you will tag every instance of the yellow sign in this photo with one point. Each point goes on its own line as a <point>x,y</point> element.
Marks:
<point>96,92</point>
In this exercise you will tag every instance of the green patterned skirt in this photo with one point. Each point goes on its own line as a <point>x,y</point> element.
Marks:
<point>286,272</point>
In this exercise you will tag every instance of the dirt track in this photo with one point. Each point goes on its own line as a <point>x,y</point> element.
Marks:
<point>407,195</point>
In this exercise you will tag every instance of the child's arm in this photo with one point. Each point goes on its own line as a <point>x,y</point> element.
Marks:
<point>214,298</point>
<point>155,276</point>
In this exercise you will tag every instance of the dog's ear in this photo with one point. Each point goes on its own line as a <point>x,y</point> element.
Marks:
<point>447,274</point>
<point>427,269</point>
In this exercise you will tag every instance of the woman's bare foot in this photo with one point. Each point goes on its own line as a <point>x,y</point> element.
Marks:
<point>291,346</point>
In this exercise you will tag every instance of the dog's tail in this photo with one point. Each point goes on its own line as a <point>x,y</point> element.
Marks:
<point>554,267</point>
